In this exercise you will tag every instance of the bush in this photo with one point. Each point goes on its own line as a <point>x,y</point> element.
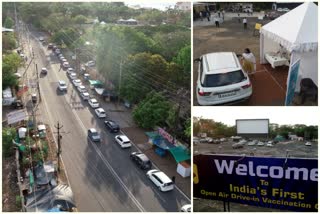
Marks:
<point>8,134</point>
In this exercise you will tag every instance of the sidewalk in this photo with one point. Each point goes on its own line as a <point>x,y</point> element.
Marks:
<point>122,115</point>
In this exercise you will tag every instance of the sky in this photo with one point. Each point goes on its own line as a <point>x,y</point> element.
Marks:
<point>279,115</point>
<point>157,5</point>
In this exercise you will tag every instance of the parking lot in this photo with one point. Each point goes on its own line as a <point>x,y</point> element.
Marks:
<point>269,84</point>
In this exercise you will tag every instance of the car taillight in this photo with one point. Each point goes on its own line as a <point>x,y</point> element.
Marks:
<point>246,86</point>
<point>202,93</point>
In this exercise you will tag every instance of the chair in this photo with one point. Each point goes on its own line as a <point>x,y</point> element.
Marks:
<point>308,89</point>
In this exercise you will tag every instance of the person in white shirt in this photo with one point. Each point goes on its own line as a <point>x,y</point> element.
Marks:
<point>244,21</point>
<point>249,61</point>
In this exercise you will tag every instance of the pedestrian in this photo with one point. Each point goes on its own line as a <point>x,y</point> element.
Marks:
<point>173,179</point>
<point>244,21</point>
<point>249,61</point>
<point>216,21</point>
<point>239,18</point>
<point>219,14</point>
<point>201,15</point>
<point>223,15</point>
<point>208,16</point>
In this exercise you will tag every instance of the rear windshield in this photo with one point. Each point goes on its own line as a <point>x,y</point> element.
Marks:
<point>222,79</point>
<point>168,184</point>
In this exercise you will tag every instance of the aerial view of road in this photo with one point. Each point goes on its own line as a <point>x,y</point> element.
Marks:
<point>101,175</point>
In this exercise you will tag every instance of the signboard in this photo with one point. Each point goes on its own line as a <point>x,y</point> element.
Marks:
<point>166,135</point>
<point>279,183</point>
<point>16,116</point>
<point>292,81</point>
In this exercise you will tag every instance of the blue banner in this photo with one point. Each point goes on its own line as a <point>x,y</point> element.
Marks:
<point>279,183</point>
<point>293,76</point>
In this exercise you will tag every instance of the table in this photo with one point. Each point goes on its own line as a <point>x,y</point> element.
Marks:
<point>276,60</point>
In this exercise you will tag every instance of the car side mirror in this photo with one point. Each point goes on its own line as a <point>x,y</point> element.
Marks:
<point>197,60</point>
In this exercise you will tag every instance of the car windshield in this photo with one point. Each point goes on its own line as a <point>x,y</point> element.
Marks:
<point>222,79</point>
<point>62,84</point>
<point>168,184</point>
<point>96,134</point>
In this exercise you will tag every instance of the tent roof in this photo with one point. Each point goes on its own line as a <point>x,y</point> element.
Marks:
<point>296,30</point>
<point>180,154</point>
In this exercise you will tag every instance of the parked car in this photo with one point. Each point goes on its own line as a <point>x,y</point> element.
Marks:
<point>308,143</point>
<point>260,143</point>
<point>82,89</point>
<point>57,51</point>
<point>186,208</point>
<point>270,143</point>
<point>76,82</point>
<point>161,180</point>
<point>100,113</point>
<point>44,71</point>
<point>86,76</point>
<point>50,46</point>
<point>63,60</point>
<point>93,135</point>
<point>85,95</point>
<point>90,64</point>
<point>112,126</point>
<point>123,141</point>
<point>54,48</point>
<point>66,65</point>
<point>41,39</point>
<point>73,76</point>
<point>70,70</point>
<point>62,85</point>
<point>93,103</point>
<point>237,145</point>
<point>221,79</point>
<point>141,160</point>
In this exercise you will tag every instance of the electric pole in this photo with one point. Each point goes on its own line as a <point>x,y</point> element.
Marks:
<point>38,82</point>
<point>58,127</point>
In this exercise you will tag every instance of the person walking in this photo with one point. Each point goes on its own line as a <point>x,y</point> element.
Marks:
<point>201,16</point>
<point>239,18</point>
<point>173,179</point>
<point>249,61</point>
<point>208,15</point>
<point>223,15</point>
<point>244,21</point>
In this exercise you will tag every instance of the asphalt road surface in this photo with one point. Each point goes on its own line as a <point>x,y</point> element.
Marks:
<point>102,176</point>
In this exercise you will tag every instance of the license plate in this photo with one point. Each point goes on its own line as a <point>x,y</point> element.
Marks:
<point>229,94</point>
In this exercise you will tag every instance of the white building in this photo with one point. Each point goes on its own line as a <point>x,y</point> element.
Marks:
<point>185,6</point>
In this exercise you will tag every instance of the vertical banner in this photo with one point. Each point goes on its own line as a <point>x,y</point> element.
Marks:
<point>292,81</point>
<point>278,183</point>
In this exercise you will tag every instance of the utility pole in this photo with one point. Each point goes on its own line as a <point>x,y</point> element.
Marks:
<point>38,82</point>
<point>58,127</point>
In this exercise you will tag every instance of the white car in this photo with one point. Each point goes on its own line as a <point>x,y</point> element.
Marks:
<point>123,141</point>
<point>269,144</point>
<point>93,103</point>
<point>73,76</point>
<point>90,64</point>
<point>76,82</point>
<point>251,143</point>
<point>85,95</point>
<point>260,143</point>
<point>186,208</point>
<point>62,85</point>
<point>308,144</point>
<point>44,70</point>
<point>100,113</point>
<point>82,89</point>
<point>41,39</point>
<point>66,65</point>
<point>221,79</point>
<point>70,70</point>
<point>280,10</point>
<point>161,180</point>
<point>285,9</point>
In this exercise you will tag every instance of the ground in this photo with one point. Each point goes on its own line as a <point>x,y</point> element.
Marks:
<point>269,85</point>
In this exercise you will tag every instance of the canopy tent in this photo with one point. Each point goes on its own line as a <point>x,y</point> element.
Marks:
<point>180,154</point>
<point>297,32</point>
<point>159,141</point>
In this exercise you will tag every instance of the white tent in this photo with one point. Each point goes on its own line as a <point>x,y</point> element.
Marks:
<point>297,32</point>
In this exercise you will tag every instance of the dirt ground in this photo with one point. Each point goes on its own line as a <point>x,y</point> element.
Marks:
<point>10,188</point>
<point>269,84</point>
<point>295,149</point>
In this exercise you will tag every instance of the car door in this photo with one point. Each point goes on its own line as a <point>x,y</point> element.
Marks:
<point>155,180</point>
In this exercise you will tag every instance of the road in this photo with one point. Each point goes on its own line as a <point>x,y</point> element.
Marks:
<point>102,176</point>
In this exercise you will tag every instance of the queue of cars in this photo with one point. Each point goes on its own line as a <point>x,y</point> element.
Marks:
<point>162,181</point>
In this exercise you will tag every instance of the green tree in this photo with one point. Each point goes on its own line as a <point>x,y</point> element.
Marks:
<point>152,111</point>
<point>80,19</point>
<point>13,60</point>
<point>8,23</point>
<point>8,41</point>
<point>8,77</point>
<point>187,128</point>
<point>8,134</point>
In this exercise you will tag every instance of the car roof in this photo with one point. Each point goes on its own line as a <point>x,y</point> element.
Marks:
<point>124,138</point>
<point>162,176</point>
<point>81,86</point>
<point>100,109</point>
<point>92,130</point>
<point>77,80</point>
<point>85,93</point>
<point>62,82</point>
<point>93,100</point>
<point>220,62</point>
<point>143,157</point>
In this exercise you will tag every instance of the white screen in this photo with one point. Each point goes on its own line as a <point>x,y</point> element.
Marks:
<point>253,126</point>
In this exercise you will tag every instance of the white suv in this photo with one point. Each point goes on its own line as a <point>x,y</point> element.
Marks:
<point>123,141</point>
<point>161,180</point>
<point>221,79</point>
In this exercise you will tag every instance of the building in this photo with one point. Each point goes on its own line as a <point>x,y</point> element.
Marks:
<point>185,6</point>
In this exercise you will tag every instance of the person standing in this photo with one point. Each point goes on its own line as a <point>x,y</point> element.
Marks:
<point>223,15</point>
<point>208,15</point>
<point>239,18</point>
<point>244,21</point>
<point>201,15</point>
<point>216,21</point>
<point>249,61</point>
